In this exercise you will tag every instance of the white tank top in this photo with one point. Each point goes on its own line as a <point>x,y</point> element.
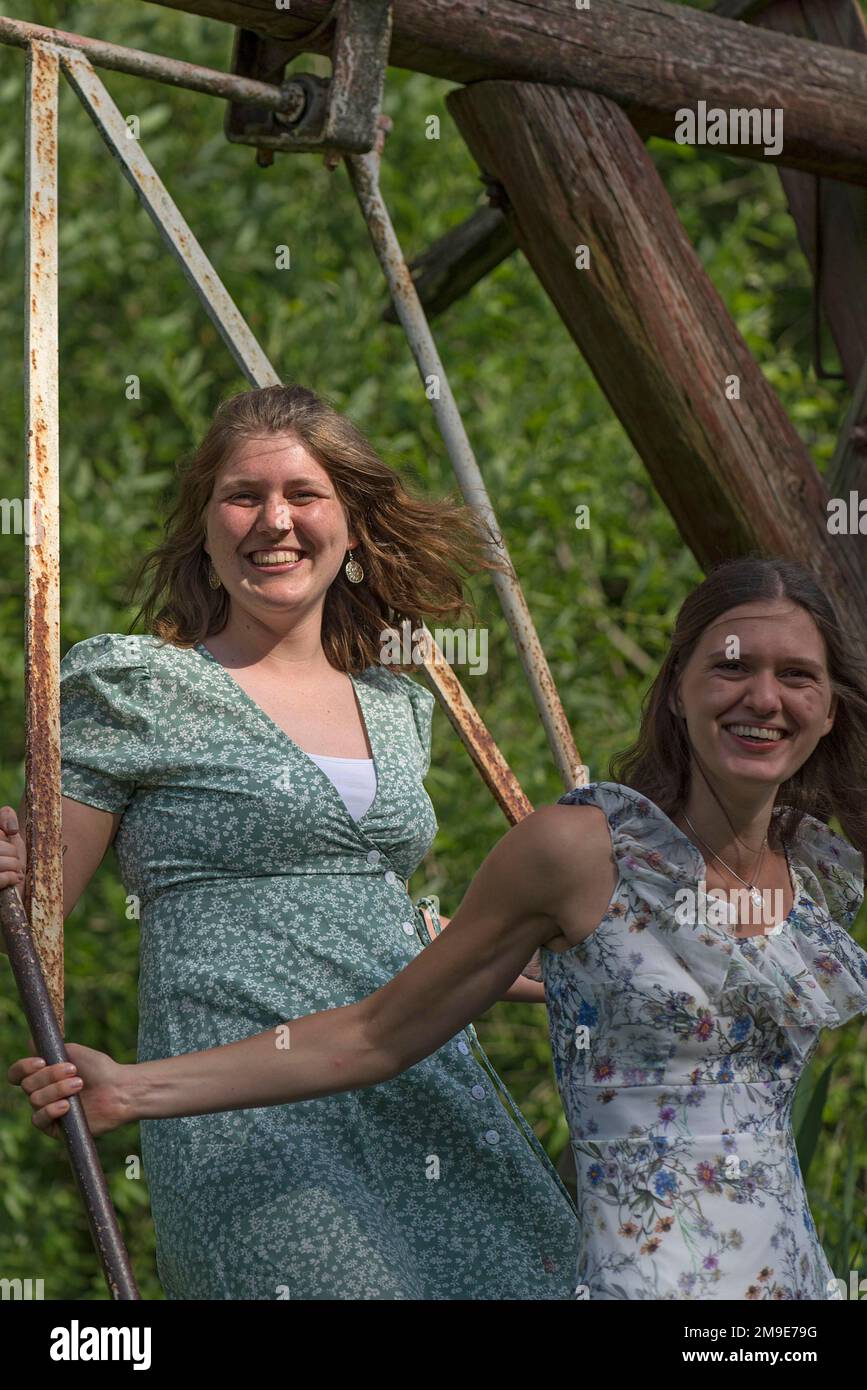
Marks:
<point>354,778</point>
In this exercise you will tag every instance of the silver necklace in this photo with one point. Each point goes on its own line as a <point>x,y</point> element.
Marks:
<point>754,892</point>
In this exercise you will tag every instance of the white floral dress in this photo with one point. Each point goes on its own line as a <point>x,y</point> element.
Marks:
<point>677,1050</point>
<point>262,900</point>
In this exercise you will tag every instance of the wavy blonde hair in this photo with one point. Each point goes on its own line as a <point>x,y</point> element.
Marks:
<point>411,548</point>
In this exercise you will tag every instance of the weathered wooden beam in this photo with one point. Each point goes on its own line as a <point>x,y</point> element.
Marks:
<point>461,258</point>
<point>842,223</point>
<point>651,57</point>
<point>660,342</point>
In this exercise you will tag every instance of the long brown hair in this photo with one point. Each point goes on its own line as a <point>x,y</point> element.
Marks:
<point>411,548</point>
<point>833,780</point>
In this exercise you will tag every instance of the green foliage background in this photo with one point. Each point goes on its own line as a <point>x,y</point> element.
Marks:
<point>546,441</point>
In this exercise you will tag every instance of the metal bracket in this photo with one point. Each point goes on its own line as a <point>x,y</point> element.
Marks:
<point>336,114</point>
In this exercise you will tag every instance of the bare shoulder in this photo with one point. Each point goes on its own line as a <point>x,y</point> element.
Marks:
<point>557,849</point>
<point>547,847</point>
<point>571,838</point>
<point>573,854</point>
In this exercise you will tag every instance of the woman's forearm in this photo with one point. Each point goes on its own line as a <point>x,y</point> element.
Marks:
<point>509,909</point>
<point>300,1060</point>
<point>342,1049</point>
<point>308,1057</point>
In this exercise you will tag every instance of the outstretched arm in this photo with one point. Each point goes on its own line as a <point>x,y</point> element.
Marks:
<point>524,894</point>
<point>520,991</point>
<point>509,909</point>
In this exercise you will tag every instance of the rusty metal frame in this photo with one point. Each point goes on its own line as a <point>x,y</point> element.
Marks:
<point>256,367</point>
<point>211,81</point>
<point>75,58</point>
<point>34,934</point>
<point>340,113</point>
<point>36,951</point>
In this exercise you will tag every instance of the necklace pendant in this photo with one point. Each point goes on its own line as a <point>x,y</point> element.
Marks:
<point>756,897</point>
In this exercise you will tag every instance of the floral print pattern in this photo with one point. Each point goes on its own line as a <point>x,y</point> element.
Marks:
<point>262,900</point>
<point>677,1050</point>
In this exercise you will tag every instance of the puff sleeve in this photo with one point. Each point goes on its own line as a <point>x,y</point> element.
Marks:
<point>422,703</point>
<point>105,732</point>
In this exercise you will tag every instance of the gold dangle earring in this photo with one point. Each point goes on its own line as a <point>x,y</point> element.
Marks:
<point>352,569</point>
<point>213,578</point>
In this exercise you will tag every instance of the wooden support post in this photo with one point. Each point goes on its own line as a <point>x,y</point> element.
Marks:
<point>464,255</point>
<point>723,454</point>
<point>834,215</point>
<point>842,223</point>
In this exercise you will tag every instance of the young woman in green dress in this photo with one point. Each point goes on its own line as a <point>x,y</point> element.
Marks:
<point>259,770</point>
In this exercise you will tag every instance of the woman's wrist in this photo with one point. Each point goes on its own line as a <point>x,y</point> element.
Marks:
<point>137,1092</point>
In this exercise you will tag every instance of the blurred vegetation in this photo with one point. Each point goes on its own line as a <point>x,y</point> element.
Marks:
<point>546,441</point>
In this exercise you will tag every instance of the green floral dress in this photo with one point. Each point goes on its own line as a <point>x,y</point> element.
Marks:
<point>262,900</point>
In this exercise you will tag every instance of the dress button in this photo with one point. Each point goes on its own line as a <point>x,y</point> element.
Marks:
<point>373,856</point>
<point>391,876</point>
<point>492,1136</point>
<point>462,1047</point>
<point>478,1092</point>
<point>409,928</point>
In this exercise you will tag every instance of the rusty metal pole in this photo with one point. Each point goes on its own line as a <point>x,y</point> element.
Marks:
<point>48,1037</point>
<point>173,71</point>
<point>364,175</point>
<point>43,898</point>
<point>474,734</point>
<point>35,956</point>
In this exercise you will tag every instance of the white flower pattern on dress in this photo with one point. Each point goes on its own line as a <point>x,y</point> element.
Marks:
<point>679,1109</point>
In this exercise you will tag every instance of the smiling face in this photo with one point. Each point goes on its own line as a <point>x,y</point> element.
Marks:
<point>272,495</point>
<point>756,693</point>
